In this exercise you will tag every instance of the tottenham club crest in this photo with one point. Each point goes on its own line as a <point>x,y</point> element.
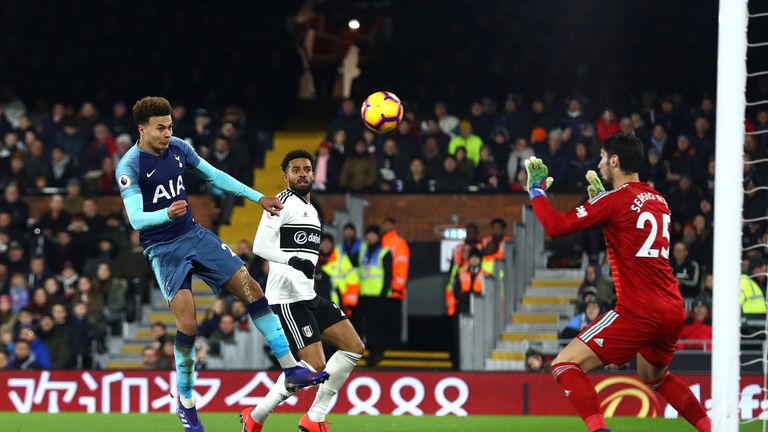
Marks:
<point>124,181</point>
<point>307,330</point>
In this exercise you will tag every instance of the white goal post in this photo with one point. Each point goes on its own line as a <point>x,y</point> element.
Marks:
<point>729,198</point>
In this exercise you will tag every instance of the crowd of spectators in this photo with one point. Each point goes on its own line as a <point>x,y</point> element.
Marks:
<point>72,275</point>
<point>67,278</point>
<point>79,147</point>
<point>481,147</point>
<point>75,256</point>
<point>66,281</point>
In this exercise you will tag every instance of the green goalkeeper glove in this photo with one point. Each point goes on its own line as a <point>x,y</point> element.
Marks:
<point>595,187</point>
<point>538,177</point>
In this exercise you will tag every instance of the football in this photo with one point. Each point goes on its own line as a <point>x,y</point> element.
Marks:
<point>382,112</point>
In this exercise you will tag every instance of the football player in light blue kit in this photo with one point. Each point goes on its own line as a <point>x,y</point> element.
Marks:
<point>152,188</point>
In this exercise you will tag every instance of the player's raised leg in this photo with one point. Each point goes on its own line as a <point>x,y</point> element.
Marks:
<point>183,309</point>
<point>675,391</point>
<point>569,370</point>
<point>350,350</point>
<point>242,285</point>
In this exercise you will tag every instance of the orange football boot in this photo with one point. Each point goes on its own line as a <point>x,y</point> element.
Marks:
<point>249,424</point>
<point>307,425</point>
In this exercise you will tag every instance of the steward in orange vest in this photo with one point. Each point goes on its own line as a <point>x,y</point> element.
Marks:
<point>472,239</point>
<point>498,227</point>
<point>470,281</point>
<point>401,256</point>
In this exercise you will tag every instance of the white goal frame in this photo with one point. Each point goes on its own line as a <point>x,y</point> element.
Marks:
<point>729,198</point>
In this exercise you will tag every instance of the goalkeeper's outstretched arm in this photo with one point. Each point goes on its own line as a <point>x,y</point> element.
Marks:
<point>559,224</point>
<point>554,222</point>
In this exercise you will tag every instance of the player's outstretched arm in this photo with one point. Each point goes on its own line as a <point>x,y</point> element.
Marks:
<point>554,222</point>
<point>587,215</point>
<point>595,187</point>
<point>271,204</point>
<point>227,183</point>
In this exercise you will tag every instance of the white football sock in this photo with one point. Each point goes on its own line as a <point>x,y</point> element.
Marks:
<point>277,394</point>
<point>287,361</point>
<point>339,366</point>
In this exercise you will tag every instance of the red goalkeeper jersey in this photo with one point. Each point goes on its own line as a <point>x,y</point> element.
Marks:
<point>635,219</point>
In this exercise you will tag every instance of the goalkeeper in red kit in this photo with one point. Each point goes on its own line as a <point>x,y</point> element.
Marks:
<point>649,314</point>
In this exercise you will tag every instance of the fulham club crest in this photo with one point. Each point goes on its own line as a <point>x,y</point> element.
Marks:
<point>307,330</point>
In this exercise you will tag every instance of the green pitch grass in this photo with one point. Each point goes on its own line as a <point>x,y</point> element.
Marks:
<point>215,422</point>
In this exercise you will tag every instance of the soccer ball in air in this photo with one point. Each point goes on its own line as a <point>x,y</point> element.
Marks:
<point>382,112</point>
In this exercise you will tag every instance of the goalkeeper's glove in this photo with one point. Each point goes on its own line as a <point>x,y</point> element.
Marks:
<point>538,180</point>
<point>595,187</point>
<point>303,265</point>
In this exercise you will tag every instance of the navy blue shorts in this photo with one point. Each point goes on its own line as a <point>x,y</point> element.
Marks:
<point>198,250</point>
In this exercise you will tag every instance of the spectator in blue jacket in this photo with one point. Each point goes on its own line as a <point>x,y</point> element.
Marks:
<point>38,349</point>
<point>592,310</point>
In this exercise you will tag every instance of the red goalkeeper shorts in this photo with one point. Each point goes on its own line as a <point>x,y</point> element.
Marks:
<point>616,339</point>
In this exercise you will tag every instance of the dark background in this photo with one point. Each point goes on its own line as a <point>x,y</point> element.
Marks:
<point>205,53</point>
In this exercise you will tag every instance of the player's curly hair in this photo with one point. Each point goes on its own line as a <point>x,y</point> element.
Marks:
<point>297,154</point>
<point>150,106</point>
<point>628,148</point>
